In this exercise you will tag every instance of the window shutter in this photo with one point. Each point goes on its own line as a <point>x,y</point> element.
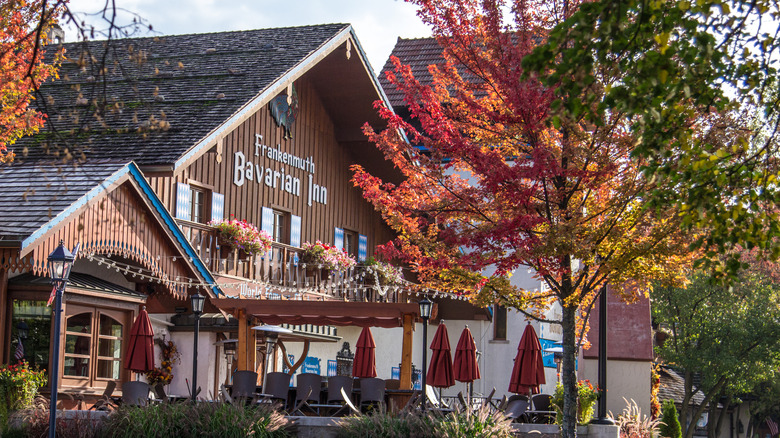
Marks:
<point>338,238</point>
<point>183,200</point>
<point>295,230</point>
<point>268,221</point>
<point>362,248</point>
<point>217,207</point>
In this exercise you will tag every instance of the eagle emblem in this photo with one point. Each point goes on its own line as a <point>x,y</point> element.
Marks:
<point>284,110</point>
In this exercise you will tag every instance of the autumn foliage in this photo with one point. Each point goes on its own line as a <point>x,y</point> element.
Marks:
<point>497,181</point>
<point>22,67</point>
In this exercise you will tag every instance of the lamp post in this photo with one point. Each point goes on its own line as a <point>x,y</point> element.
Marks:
<point>425,312</point>
<point>197,300</point>
<point>60,264</point>
<point>602,413</point>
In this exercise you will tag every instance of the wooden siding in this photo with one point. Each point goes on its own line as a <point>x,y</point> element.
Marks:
<point>313,136</point>
<point>118,225</point>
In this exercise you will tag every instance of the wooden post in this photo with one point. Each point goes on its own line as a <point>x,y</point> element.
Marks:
<point>406,352</point>
<point>242,352</point>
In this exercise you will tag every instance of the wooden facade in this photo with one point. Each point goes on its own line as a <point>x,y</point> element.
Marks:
<point>313,135</point>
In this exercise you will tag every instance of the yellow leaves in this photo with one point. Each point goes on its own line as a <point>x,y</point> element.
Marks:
<point>662,39</point>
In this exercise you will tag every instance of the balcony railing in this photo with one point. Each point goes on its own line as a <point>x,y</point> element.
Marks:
<point>279,274</point>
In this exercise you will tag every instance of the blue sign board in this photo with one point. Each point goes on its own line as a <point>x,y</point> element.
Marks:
<point>311,365</point>
<point>548,357</point>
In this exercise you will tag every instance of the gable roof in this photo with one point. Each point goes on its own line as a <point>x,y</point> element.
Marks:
<point>173,96</point>
<point>35,194</point>
<point>39,197</point>
<point>418,53</point>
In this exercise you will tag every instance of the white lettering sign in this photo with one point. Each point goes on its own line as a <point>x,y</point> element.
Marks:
<point>278,178</point>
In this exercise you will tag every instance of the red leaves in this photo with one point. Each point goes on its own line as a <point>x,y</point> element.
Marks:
<point>22,68</point>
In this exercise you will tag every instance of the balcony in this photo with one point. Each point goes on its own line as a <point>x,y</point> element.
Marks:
<point>279,274</point>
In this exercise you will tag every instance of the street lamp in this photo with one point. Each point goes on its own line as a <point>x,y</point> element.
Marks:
<point>425,313</point>
<point>197,300</point>
<point>602,413</point>
<point>60,264</point>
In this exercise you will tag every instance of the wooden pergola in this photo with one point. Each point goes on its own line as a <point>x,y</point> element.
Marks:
<point>339,313</point>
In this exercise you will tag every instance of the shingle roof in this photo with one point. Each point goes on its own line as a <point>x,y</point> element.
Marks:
<point>34,193</point>
<point>418,53</point>
<point>81,281</point>
<point>673,387</point>
<point>188,84</point>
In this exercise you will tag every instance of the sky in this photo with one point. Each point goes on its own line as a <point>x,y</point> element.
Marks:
<point>377,23</point>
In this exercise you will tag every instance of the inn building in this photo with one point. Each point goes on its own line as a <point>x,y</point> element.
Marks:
<point>260,126</point>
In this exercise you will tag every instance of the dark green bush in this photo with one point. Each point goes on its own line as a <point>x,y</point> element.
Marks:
<point>670,424</point>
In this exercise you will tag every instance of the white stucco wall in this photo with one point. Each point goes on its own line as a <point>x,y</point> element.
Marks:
<point>625,379</point>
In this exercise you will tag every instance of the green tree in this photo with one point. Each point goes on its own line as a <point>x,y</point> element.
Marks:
<point>729,336</point>
<point>680,59</point>
<point>670,424</point>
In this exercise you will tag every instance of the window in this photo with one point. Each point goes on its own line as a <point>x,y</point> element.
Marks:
<point>350,242</point>
<point>279,234</point>
<point>93,347</point>
<point>37,316</point>
<point>499,323</point>
<point>198,205</point>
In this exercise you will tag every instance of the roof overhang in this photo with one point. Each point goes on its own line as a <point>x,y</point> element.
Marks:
<point>339,313</point>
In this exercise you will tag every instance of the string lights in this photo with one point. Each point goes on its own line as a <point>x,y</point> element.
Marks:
<point>355,281</point>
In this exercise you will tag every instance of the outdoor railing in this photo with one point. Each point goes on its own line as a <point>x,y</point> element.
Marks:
<point>280,274</point>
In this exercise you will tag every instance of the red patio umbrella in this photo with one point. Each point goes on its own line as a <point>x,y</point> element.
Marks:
<point>465,364</point>
<point>528,372</point>
<point>140,350</point>
<point>364,364</point>
<point>440,371</point>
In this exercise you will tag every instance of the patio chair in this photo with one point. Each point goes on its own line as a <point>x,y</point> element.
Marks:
<point>543,410</point>
<point>159,393</point>
<point>434,400</point>
<point>135,393</point>
<point>276,388</point>
<point>392,384</point>
<point>516,409</point>
<point>348,402</point>
<point>372,393</point>
<point>335,401</point>
<point>309,386</point>
<point>244,385</point>
<point>105,401</point>
<point>223,392</point>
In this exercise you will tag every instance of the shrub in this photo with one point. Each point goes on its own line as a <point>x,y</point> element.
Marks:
<point>670,424</point>
<point>195,420</point>
<point>632,424</point>
<point>415,424</point>
<point>18,386</point>
<point>35,423</point>
<point>586,398</point>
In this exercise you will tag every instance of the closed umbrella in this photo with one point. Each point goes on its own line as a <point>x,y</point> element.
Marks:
<point>440,371</point>
<point>140,350</point>
<point>465,366</point>
<point>364,364</point>
<point>528,372</point>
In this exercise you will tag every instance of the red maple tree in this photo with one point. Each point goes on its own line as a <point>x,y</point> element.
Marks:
<point>23,36</point>
<point>497,181</point>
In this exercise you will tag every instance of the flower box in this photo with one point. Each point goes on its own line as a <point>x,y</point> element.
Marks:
<point>322,255</point>
<point>241,235</point>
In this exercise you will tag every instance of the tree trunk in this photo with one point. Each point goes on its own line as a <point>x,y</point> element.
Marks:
<point>569,377</point>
